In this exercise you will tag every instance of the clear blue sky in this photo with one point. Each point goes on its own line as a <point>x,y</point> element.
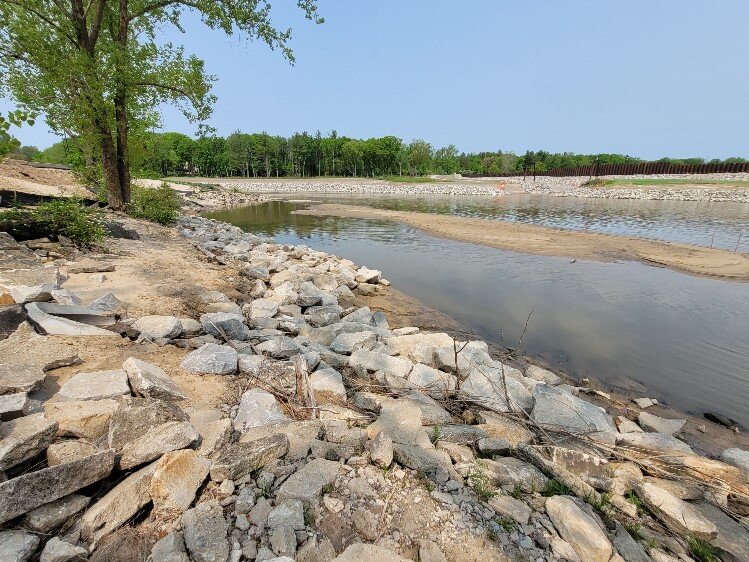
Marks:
<point>643,77</point>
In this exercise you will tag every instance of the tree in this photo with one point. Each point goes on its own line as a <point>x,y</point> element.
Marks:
<point>96,69</point>
<point>8,143</point>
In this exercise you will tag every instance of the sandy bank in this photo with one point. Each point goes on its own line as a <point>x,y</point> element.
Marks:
<point>552,242</point>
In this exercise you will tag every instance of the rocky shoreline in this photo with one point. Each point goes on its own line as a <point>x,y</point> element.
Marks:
<point>363,186</point>
<point>331,436</point>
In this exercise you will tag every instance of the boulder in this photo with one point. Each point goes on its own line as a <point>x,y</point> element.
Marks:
<point>329,381</point>
<point>280,348</point>
<point>499,426</point>
<point>24,438</point>
<point>170,548</point>
<point>430,379</point>
<point>733,537</point>
<point>381,450</point>
<point>676,514</point>
<point>488,386</point>
<point>375,361</point>
<point>232,325</point>
<point>511,472</point>
<point>656,424</point>
<point>206,530</point>
<point>87,419</point>
<point>628,547</point>
<point>176,479</point>
<point>543,375</point>
<point>300,434</point>
<point>257,408</point>
<point>107,302</point>
<point>429,461</point>
<point>366,275</point>
<point>507,506</point>
<point>158,327</point>
<point>263,308</point>
<point>57,550</point>
<point>579,529</point>
<point>66,297</point>
<point>307,483</point>
<point>653,442</point>
<point>98,385</point>
<point>151,381</point>
<point>557,408</point>
<point>23,493</point>
<point>48,517</point>
<point>362,315</point>
<point>31,285</point>
<point>738,458</point>
<point>214,435</point>
<point>158,440</point>
<point>211,359</point>
<point>136,416</point>
<point>402,422</point>
<point>347,343</point>
<point>13,405</point>
<point>17,546</point>
<point>239,459</point>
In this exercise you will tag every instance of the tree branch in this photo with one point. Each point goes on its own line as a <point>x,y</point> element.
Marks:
<point>167,87</point>
<point>159,5</point>
<point>41,16</point>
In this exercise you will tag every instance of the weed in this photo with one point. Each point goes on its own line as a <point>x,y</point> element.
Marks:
<point>327,489</point>
<point>507,523</point>
<point>634,530</point>
<point>425,480</point>
<point>159,205</point>
<point>517,490</point>
<point>595,182</point>
<point>702,550</point>
<point>555,488</point>
<point>637,502</point>
<point>481,483</point>
<point>309,516</point>
<point>436,434</point>
<point>652,543</point>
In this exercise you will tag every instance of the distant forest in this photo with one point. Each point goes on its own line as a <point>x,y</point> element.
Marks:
<point>305,155</point>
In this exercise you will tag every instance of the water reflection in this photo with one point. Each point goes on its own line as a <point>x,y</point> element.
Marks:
<point>685,338</point>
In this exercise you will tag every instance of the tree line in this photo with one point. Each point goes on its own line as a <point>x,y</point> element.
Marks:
<point>261,155</point>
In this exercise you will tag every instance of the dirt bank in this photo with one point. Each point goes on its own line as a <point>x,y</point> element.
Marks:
<point>552,242</point>
<point>17,175</point>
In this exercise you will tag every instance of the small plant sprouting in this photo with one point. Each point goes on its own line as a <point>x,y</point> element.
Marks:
<point>436,434</point>
<point>425,480</point>
<point>481,483</point>
<point>702,550</point>
<point>327,489</point>
<point>637,502</point>
<point>634,530</point>
<point>517,490</point>
<point>555,488</point>
<point>507,523</point>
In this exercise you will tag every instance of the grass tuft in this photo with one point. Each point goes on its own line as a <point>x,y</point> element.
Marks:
<point>555,488</point>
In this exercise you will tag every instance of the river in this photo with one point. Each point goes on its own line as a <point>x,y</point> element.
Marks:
<point>653,331</point>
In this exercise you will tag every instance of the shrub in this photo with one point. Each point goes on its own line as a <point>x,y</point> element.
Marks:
<point>159,205</point>
<point>554,487</point>
<point>59,217</point>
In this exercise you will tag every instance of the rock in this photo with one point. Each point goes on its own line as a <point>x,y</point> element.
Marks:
<point>117,506</point>
<point>250,364</point>
<point>11,317</point>
<point>402,422</point>
<point>13,405</point>
<point>328,380</point>
<point>288,513</point>
<point>376,361</point>
<point>629,548</point>
<point>583,464</point>
<point>360,552</point>
<point>300,434</point>
<point>107,302</point>
<point>98,385</point>
<point>59,551</point>
<point>254,272</point>
<point>542,375</point>
<point>24,438</point>
<point>157,441</point>
<point>493,446</point>
<point>557,408</point>
<point>430,552</point>
<point>487,385</point>
<point>650,442</point>
<point>499,426</point>
<point>214,435</point>
<point>381,450</point>
<point>365,522</point>
<point>347,343</point>
<point>625,425</point>
<point>259,514</point>
<point>513,472</point>
<point>643,402</point>
<point>17,546</point>
<point>676,514</point>
<point>66,297</point>
<point>280,348</point>
<point>432,413</point>
<point>430,379</point>
<point>507,506</point>
<point>206,531</point>
<point>263,308</point>
<point>366,275</point>
<point>51,516</point>
<point>257,408</point>
<point>307,483</point>
<point>738,458</point>
<point>170,548</point>
<point>151,381</point>
<point>283,542</point>
<point>87,419</point>
<point>136,416</point>
<point>176,479</point>
<point>239,459</point>
<point>579,529</point>
<point>157,327</point>
<point>190,328</point>
<point>732,538</point>
<point>232,325</point>
<point>655,424</point>
<point>23,493</point>
<point>212,359</point>
<point>430,461</point>
<point>51,323</point>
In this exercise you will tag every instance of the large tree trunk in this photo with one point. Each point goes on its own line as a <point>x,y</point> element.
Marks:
<point>115,197</point>
<point>120,108</point>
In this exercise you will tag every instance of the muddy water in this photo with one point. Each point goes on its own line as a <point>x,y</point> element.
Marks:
<point>682,339</point>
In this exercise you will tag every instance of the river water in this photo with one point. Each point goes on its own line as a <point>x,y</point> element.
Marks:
<point>656,332</point>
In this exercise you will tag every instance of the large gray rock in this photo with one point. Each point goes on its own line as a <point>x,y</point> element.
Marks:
<point>31,285</point>
<point>435,464</point>
<point>151,381</point>
<point>511,472</point>
<point>507,506</point>
<point>161,439</point>
<point>211,359</point>
<point>733,537</point>
<point>488,386</point>
<point>23,493</point>
<point>239,459</point>
<point>158,327</point>
<point>136,416</point>
<point>206,529</point>
<point>53,515</point>
<point>13,405</point>
<point>87,419</point>
<point>307,483</point>
<point>170,548</point>
<point>627,547</point>
<point>175,481</point>
<point>556,408</point>
<point>579,529</point>
<point>543,375</point>
<point>653,442</point>
<point>69,451</point>
<point>263,308</point>
<point>376,361</point>
<point>280,348</point>
<point>17,546</point>
<point>738,458</point>
<point>24,438</point>
<point>118,506</point>
<point>60,325</point>
<point>431,380</point>
<point>98,385</point>
<point>232,325</point>
<point>328,380</point>
<point>60,551</point>
<point>656,424</point>
<point>381,450</point>
<point>402,422</point>
<point>676,514</point>
<point>300,434</point>
<point>347,343</point>
<point>257,408</point>
<point>107,302</point>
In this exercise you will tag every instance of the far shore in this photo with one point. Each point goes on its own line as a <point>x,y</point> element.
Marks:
<point>695,260</point>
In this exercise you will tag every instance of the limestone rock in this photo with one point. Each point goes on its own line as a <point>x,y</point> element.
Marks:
<point>376,361</point>
<point>263,308</point>
<point>98,385</point>
<point>24,438</point>
<point>213,435</point>
<point>157,327</point>
<point>60,325</point>
<point>402,423</point>
<point>176,479</point>
<point>500,426</point>
<point>257,408</point>
<point>656,424</point>
<point>151,381</point>
<point>17,546</point>
<point>170,548</point>
<point>157,441</point>
<point>513,472</point>
<point>431,379</point>
<point>231,324</point>
<point>557,408</point>
<point>507,506</point>
<point>307,483</point>
<point>543,375</point>
<point>361,552</point>
<point>23,493</point>
<point>59,551</point>
<point>211,358</point>
<point>328,380</point>
<point>430,461</point>
<point>381,450</point>
<point>87,419</point>
<point>136,416</point>
<point>659,442</point>
<point>239,459</point>
<point>347,343</point>
<point>51,516</point>
<point>738,458</point>
<point>579,529</point>
<point>206,529</point>
<point>488,386</point>
<point>280,348</point>
<point>676,514</point>
<point>13,405</point>
<point>732,538</point>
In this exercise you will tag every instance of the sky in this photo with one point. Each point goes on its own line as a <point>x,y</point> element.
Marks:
<point>640,77</point>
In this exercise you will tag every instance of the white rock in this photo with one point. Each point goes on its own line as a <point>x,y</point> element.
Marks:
<point>579,529</point>
<point>211,358</point>
<point>156,327</point>
<point>656,424</point>
<point>328,380</point>
<point>738,458</point>
<point>151,381</point>
<point>98,385</point>
<point>257,408</point>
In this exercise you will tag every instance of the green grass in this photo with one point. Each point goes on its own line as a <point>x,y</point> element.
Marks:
<point>481,483</point>
<point>70,218</point>
<point>555,488</point>
<point>665,182</point>
<point>409,179</point>
<point>701,550</point>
